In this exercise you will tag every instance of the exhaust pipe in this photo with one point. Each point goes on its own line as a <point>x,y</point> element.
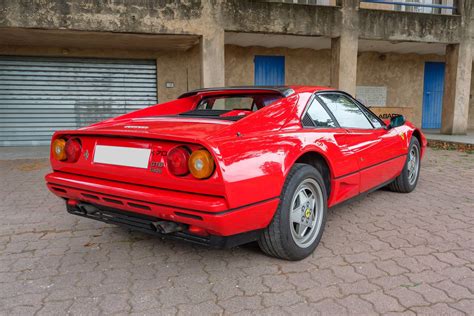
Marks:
<point>86,208</point>
<point>163,227</point>
<point>166,227</point>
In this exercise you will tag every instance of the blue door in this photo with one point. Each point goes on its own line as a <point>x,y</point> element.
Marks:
<point>432,95</point>
<point>269,70</point>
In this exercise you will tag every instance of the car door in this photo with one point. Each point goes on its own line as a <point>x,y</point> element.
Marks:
<point>388,155</point>
<point>377,149</point>
<point>321,128</point>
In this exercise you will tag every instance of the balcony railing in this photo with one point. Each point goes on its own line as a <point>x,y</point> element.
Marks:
<point>307,2</point>
<point>418,6</point>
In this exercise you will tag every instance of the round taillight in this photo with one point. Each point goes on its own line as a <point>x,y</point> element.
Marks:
<point>201,164</point>
<point>177,161</point>
<point>58,149</point>
<point>73,149</point>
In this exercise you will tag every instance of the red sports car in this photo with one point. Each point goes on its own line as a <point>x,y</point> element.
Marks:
<point>227,166</point>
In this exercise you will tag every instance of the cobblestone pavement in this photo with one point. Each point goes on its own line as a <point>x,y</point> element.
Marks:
<point>386,254</point>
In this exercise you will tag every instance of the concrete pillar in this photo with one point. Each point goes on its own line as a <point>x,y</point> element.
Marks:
<point>212,59</point>
<point>344,49</point>
<point>457,88</point>
<point>457,77</point>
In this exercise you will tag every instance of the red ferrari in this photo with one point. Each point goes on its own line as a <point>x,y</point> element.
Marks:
<point>227,166</point>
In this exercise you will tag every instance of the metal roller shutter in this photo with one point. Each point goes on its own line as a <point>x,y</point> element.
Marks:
<point>41,95</point>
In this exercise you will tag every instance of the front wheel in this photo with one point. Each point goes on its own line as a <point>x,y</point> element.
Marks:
<point>407,180</point>
<point>298,224</point>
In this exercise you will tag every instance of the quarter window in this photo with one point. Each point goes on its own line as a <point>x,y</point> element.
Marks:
<point>372,117</point>
<point>346,112</point>
<point>319,115</point>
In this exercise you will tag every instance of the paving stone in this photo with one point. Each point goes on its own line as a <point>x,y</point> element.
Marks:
<point>407,298</point>
<point>55,308</point>
<point>282,299</point>
<point>277,283</point>
<point>382,302</point>
<point>453,290</point>
<point>317,294</point>
<point>437,309</point>
<point>358,287</point>
<point>113,303</point>
<point>204,308</point>
<point>430,293</point>
<point>357,306</point>
<point>241,303</point>
<point>329,307</point>
<point>464,305</point>
<point>389,253</point>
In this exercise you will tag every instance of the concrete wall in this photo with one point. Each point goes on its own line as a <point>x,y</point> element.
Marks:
<point>204,17</point>
<point>302,66</point>
<point>470,123</point>
<point>182,68</point>
<point>402,74</point>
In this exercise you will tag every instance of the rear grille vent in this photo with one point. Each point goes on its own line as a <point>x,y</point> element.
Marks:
<point>141,206</point>
<point>112,201</point>
<point>59,190</point>
<point>90,196</point>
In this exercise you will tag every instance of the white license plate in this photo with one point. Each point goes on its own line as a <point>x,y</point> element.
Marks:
<point>122,156</point>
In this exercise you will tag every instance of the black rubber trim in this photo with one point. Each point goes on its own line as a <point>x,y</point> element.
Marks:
<point>180,208</point>
<point>143,223</point>
<point>282,90</point>
<point>368,167</point>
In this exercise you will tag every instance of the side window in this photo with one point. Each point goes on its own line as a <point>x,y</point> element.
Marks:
<point>319,115</point>
<point>346,112</point>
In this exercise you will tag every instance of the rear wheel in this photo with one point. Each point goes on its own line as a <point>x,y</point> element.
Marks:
<point>298,224</point>
<point>407,180</point>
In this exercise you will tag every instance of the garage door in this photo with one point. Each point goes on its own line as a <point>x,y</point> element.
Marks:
<point>41,95</point>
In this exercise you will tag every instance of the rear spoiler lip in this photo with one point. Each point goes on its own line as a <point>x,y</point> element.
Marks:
<point>283,91</point>
<point>132,134</point>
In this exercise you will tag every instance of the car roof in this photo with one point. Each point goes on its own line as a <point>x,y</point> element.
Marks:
<point>284,91</point>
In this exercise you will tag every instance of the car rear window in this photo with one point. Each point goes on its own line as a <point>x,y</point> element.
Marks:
<point>225,106</point>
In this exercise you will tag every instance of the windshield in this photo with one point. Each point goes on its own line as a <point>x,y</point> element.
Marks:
<point>231,107</point>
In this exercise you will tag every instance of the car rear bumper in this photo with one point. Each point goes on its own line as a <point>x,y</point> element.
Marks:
<point>144,223</point>
<point>207,212</point>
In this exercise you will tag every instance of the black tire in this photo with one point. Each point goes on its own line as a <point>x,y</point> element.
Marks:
<point>277,239</point>
<point>402,183</point>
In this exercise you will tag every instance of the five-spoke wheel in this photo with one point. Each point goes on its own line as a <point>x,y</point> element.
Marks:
<point>408,178</point>
<point>413,164</point>
<point>298,224</point>
<point>305,217</point>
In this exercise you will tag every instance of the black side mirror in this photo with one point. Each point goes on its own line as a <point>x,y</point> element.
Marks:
<point>396,121</point>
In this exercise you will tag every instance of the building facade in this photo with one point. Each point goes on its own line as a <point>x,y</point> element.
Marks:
<point>67,63</point>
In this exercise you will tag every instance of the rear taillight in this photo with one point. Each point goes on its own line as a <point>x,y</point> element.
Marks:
<point>59,151</point>
<point>177,161</point>
<point>201,164</point>
<point>68,151</point>
<point>73,149</point>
